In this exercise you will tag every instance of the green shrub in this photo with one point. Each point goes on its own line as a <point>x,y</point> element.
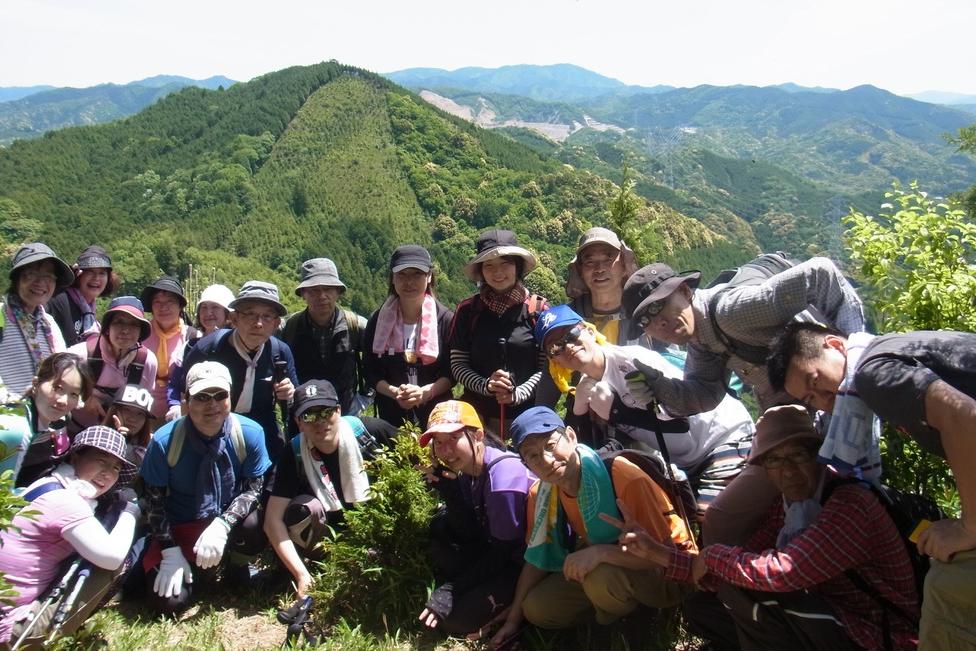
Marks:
<point>376,569</point>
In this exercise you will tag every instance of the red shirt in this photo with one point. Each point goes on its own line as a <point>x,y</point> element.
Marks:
<point>853,531</point>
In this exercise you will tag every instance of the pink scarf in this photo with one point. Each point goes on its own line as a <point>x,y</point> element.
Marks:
<point>388,338</point>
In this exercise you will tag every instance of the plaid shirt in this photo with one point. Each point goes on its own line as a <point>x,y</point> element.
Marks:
<point>754,314</point>
<point>853,531</point>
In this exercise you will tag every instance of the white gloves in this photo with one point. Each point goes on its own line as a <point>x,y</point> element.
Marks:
<point>173,572</point>
<point>594,396</point>
<point>640,382</point>
<point>173,413</point>
<point>209,547</point>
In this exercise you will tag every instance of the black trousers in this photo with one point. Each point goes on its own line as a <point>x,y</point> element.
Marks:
<point>736,618</point>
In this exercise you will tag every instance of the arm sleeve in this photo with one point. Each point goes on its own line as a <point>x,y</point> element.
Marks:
<point>526,390</point>
<point>104,549</point>
<point>463,373</point>
<point>444,350</point>
<point>242,505</point>
<point>701,389</point>
<point>156,516</point>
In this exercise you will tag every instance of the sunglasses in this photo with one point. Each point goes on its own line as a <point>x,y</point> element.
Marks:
<point>797,458</point>
<point>204,398</point>
<point>315,415</point>
<point>648,313</point>
<point>556,348</point>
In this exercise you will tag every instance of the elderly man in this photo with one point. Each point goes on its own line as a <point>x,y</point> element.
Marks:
<point>559,583</point>
<point>711,447</point>
<point>262,367</point>
<point>816,573</point>
<point>923,383</point>
<point>204,473</point>
<point>325,338</point>
<point>731,328</point>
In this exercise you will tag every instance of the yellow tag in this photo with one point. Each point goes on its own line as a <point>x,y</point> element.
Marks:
<point>922,526</point>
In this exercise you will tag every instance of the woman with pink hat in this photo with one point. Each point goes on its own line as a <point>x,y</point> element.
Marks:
<point>116,357</point>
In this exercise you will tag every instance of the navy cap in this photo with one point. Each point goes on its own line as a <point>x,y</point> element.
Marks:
<point>314,393</point>
<point>554,317</point>
<point>537,420</point>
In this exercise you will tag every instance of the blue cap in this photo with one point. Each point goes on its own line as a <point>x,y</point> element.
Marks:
<point>553,318</point>
<point>537,420</point>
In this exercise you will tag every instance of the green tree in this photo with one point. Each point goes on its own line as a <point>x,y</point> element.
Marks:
<point>918,263</point>
<point>622,215</point>
<point>966,142</point>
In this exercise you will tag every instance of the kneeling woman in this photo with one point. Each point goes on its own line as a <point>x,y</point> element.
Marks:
<point>64,524</point>
<point>477,543</point>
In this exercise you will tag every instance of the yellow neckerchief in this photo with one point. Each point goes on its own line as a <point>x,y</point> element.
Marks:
<point>562,375</point>
<point>162,348</point>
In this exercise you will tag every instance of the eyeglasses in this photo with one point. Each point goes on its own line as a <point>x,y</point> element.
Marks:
<point>204,398</point>
<point>556,348</point>
<point>597,263</point>
<point>254,317</point>
<point>34,276</point>
<point>547,451</point>
<point>797,458</point>
<point>649,312</point>
<point>315,415</point>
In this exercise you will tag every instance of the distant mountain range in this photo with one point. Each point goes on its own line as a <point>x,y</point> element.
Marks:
<point>28,112</point>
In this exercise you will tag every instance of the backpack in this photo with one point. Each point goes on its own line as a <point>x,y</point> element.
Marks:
<point>652,465</point>
<point>755,272</point>
<point>96,363</point>
<point>352,327</point>
<point>906,510</point>
<point>533,302</point>
<point>178,438</point>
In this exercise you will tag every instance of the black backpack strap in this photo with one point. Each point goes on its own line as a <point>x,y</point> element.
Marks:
<point>43,489</point>
<point>95,361</point>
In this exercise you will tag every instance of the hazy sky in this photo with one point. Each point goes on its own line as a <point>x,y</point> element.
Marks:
<point>900,45</point>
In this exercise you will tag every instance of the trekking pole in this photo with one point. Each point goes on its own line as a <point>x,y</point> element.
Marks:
<point>53,596</point>
<point>64,608</point>
<point>662,444</point>
<point>503,344</point>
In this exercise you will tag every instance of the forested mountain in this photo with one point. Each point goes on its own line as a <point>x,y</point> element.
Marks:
<point>325,160</point>
<point>561,82</point>
<point>31,114</point>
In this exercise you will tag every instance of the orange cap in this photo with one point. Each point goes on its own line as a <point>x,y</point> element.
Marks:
<point>450,416</point>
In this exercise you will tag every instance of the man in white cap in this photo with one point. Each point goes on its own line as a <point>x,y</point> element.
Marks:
<point>262,366</point>
<point>325,338</point>
<point>203,474</point>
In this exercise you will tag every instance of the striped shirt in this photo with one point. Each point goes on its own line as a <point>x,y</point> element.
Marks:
<point>17,364</point>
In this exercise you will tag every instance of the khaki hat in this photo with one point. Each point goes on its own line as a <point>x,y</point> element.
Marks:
<point>575,287</point>
<point>207,375</point>
<point>319,272</point>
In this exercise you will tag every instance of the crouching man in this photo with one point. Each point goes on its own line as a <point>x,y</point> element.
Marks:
<point>561,583</point>
<point>816,573</point>
<point>203,473</point>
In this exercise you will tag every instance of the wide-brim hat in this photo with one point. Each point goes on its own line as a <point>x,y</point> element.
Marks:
<point>319,272</point>
<point>493,244</point>
<point>450,416</point>
<point>779,425</point>
<point>106,439</point>
<point>37,252</point>
<point>258,290</point>
<point>652,283</point>
<point>133,307</point>
<point>94,257</point>
<point>575,287</point>
<point>164,284</point>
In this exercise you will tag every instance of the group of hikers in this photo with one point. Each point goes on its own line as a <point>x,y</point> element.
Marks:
<point>159,457</point>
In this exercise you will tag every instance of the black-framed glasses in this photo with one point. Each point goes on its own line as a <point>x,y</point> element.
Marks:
<point>650,311</point>
<point>204,398</point>
<point>315,415</point>
<point>556,348</point>
<point>795,458</point>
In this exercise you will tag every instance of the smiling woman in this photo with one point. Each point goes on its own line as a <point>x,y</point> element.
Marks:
<point>29,333</point>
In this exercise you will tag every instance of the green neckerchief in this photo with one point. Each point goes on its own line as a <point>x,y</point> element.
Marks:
<point>546,549</point>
